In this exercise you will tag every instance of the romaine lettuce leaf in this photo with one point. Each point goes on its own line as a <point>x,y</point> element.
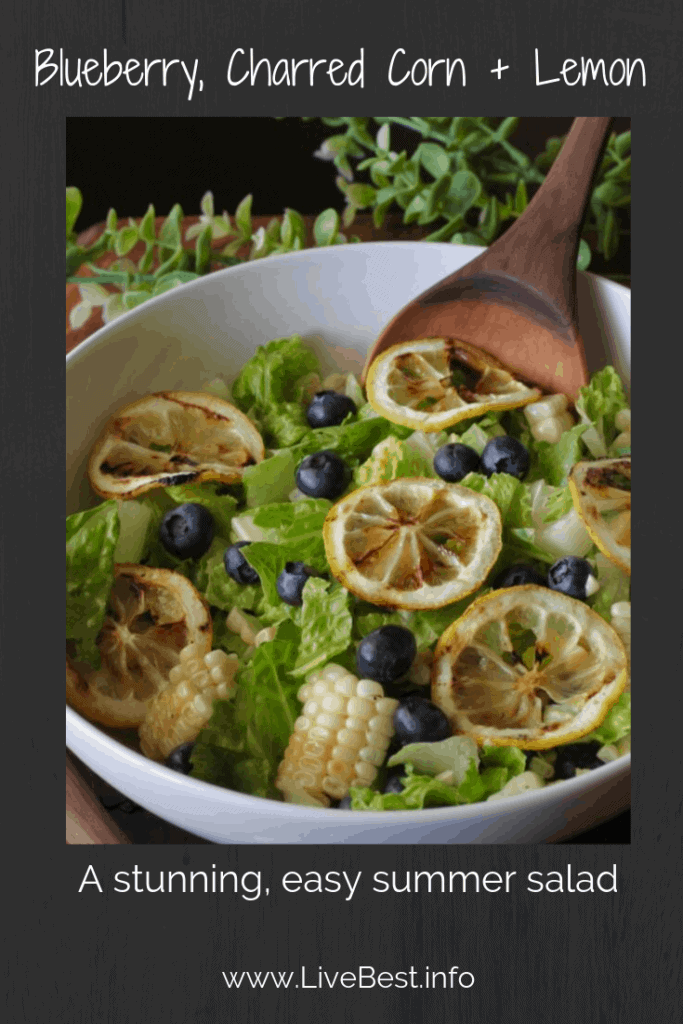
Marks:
<point>615,726</point>
<point>326,625</point>
<point>597,406</point>
<point>510,495</point>
<point>391,459</point>
<point>91,539</point>
<point>212,496</point>
<point>272,480</point>
<point>420,790</point>
<point>453,755</point>
<point>615,585</point>
<point>270,377</point>
<point>244,741</point>
<point>555,461</point>
<point>224,592</point>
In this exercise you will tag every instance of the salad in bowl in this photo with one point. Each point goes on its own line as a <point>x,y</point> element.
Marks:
<point>405,596</point>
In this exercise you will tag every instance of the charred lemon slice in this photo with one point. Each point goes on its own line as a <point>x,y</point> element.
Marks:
<point>169,438</point>
<point>433,383</point>
<point>528,667</point>
<point>601,492</point>
<point>412,543</point>
<point>152,615</point>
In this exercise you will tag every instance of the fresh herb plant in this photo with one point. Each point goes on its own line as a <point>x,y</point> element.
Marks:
<point>463,176</point>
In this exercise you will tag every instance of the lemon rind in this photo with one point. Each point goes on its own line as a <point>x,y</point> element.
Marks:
<point>592,714</point>
<point>431,422</point>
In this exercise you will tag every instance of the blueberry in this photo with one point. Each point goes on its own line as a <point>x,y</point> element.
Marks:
<point>505,455</point>
<point>386,654</point>
<point>517,576</point>
<point>417,720</point>
<point>394,783</point>
<point>187,531</point>
<point>291,582</point>
<point>179,759</point>
<point>323,475</point>
<point>572,576</point>
<point>576,755</point>
<point>237,567</point>
<point>329,409</point>
<point>454,461</point>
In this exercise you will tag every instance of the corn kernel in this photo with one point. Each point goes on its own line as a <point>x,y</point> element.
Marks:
<point>369,688</point>
<point>365,772</point>
<point>361,707</point>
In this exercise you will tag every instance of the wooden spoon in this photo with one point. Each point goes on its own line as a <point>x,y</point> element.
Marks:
<point>517,300</point>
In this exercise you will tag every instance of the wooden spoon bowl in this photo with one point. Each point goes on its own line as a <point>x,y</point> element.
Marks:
<point>517,300</point>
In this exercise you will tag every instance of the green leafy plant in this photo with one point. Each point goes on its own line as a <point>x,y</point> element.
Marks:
<point>167,259</point>
<point>463,176</point>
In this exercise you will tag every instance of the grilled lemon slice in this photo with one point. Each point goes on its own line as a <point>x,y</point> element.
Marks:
<point>528,667</point>
<point>152,615</point>
<point>169,438</point>
<point>413,542</point>
<point>433,383</point>
<point>601,492</point>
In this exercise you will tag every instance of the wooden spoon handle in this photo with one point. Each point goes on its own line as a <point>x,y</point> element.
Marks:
<point>541,247</point>
<point>87,823</point>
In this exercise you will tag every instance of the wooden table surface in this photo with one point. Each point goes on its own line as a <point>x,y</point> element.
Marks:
<point>95,812</point>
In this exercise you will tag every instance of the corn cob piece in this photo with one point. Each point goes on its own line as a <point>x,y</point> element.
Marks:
<point>178,713</point>
<point>549,418</point>
<point>340,739</point>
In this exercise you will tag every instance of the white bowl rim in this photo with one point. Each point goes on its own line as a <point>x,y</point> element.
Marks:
<point>569,790</point>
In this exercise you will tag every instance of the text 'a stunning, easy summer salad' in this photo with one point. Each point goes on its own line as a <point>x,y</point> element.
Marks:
<point>410,596</point>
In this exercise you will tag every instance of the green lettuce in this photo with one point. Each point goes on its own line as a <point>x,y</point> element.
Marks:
<point>272,480</point>
<point>267,389</point>
<point>222,591</point>
<point>326,625</point>
<point>390,459</point>
<point>597,405</point>
<point>473,783</point>
<point>615,726</point>
<point>555,461</point>
<point>212,496</point>
<point>615,585</point>
<point>510,495</point>
<point>453,755</point>
<point>245,739</point>
<point>91,539</point>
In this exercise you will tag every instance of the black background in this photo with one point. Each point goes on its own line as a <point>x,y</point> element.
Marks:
<point>101,958</point>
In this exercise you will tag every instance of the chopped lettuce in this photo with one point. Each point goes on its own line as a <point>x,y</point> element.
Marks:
<point>424,790</point>
<point>326,625</point>
<point>555,461</point>
<point>267,389</point>
<point>91,539</point>
<point>510,495</point>
<point>450,755</point>
<point>299,522</point>
<point>212,496</point>
<point>271,481</point>
<point>391,459</point>
<point>223,592</point>
<point>615,585</point>
<point>245,738</point>
<point>615,726</point>
<point>597,405</point>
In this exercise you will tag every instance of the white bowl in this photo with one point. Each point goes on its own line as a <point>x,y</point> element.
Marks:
<point>339,299</point>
